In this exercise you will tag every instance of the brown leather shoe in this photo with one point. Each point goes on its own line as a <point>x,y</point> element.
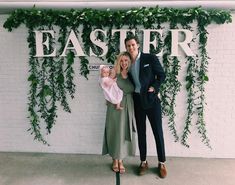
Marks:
<point>162,170</point>
<point>143,168</point>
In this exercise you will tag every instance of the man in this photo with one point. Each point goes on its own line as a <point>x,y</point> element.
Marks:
<point>147,75</point>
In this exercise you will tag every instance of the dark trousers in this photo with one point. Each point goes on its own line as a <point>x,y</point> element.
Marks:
<point>155,118</point>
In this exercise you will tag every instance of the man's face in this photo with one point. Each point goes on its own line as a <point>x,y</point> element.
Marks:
<point>132,47</point>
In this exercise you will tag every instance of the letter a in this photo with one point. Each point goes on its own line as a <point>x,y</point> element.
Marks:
<point>76,46</point>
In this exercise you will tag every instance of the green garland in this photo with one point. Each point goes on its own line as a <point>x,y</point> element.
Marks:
<point>51,79</point>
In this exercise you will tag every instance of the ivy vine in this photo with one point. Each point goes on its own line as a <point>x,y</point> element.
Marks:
<point>51,79</point>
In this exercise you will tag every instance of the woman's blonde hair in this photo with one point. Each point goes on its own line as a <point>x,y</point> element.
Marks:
<point>117,65</point>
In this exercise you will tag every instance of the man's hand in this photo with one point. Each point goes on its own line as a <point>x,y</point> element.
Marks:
<point>151,89</point>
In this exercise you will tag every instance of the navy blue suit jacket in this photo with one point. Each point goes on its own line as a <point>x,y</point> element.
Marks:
<point>151,74</point>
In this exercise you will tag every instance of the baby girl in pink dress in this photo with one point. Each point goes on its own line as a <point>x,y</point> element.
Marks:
<point>108,83</point>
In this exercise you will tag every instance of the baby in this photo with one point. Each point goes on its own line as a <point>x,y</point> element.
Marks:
<point>108,83</point>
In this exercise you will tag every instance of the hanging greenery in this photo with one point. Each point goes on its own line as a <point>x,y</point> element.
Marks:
<point>51,78</point>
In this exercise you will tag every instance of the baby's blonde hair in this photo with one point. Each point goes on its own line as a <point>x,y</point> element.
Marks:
<point>103,67</point>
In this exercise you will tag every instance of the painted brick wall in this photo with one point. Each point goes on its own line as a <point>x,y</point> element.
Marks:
<point>82,130</point>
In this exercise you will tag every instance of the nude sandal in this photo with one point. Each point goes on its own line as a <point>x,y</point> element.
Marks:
<point>121,167</point>
<point>115,167</point>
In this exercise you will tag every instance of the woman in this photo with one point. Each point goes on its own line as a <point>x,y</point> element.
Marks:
<point>120,129</point>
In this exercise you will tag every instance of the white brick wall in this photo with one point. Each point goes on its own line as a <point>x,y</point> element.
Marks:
<point>82,130</point>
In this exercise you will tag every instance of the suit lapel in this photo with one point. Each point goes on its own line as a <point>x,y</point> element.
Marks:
<point>141,66</point>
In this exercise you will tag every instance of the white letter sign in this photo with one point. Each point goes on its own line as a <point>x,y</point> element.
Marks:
<point>97,42</point>
<point>147,42</point>
<point>40,43</point>
<point>122,37</point>
<point>184,45</point>
<point>76,46</point>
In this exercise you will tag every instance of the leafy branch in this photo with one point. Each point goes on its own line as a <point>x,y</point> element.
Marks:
<point>51,80</point>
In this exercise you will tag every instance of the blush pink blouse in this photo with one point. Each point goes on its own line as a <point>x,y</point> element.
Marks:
<point>112,92</point>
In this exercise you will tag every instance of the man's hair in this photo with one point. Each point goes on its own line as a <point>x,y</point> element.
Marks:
<point>130,37</point>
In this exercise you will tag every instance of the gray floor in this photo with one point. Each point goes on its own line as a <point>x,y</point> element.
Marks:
<point>68,169</point>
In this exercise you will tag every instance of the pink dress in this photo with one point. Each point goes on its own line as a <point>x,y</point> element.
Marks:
<point>112,92</point>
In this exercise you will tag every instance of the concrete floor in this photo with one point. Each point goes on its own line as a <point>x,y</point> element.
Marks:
<point>70,169</point>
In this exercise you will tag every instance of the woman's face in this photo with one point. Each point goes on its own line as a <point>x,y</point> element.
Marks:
<point>124,62</point>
